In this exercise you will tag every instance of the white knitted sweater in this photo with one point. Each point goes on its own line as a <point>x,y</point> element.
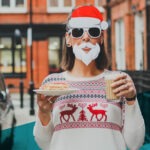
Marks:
<point>85,120</point>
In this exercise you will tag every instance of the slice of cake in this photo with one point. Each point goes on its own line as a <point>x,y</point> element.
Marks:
<point>55,86</point>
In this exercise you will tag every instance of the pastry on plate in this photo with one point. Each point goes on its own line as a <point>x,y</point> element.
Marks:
<point>55,86</point>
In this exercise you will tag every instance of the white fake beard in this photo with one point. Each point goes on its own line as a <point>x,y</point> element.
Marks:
<point>88,57</point>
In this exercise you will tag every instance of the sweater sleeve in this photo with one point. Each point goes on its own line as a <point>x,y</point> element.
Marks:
<point>134,127</point>
<point>43,134</point>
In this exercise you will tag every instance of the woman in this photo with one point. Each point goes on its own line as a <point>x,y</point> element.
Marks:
<point>85,120</point>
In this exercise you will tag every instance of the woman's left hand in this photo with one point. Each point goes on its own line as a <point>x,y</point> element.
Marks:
<point>123,86</point>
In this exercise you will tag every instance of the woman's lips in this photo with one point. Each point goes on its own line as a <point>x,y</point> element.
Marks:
<point>86,49</point>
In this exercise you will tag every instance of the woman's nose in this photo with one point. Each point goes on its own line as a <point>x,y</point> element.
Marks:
<point>86,36</point>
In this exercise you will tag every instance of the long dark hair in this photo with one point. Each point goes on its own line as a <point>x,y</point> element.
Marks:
<point>68,56</point>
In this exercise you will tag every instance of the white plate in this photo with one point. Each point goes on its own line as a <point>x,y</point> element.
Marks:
<point>55,92</point>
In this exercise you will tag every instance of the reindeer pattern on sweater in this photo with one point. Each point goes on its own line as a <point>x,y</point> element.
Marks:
<point>86,108</point>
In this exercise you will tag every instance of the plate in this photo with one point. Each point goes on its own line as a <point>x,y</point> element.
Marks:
<point>55,92</point>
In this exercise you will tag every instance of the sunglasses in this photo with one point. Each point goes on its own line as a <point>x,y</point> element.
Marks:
<point>92,32</point>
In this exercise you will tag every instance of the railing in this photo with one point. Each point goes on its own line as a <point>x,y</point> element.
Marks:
<point>141,80</point>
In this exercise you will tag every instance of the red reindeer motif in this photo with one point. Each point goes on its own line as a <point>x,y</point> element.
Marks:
<point>96,112</point>
<point>68,113</point>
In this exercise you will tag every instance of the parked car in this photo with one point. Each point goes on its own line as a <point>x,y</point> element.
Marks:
<point>7,116</point>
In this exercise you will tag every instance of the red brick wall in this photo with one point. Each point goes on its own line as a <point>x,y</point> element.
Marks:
<point>139,4</point>
<point>13,19</point>
<point>145,42</point>
<point>129,42</point>
<point>123,9</point>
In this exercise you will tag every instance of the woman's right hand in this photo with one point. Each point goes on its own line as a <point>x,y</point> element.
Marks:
<point>45,104</point>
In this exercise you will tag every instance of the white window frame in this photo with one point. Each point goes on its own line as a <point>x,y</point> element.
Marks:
<point>120,45</point>
<point>139,45</point>
<point>6,62</point>
<point>60,8</point>
<point>13,8</point>
<point>101,9</point>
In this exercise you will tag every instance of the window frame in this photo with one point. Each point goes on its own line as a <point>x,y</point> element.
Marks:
<point>14,51</point>
<point>59,50</point>
<point>120,52</point>
<point>101,9</point>
<point>60,8</point>
<point>13,8</point>
<point>139,41</point>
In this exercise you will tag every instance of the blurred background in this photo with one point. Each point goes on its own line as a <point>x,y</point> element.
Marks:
<point>31,44</point>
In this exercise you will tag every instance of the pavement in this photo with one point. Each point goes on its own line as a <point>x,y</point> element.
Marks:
<point>22,115</point>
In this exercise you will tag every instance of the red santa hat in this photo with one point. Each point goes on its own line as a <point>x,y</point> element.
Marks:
<point>87,16</point>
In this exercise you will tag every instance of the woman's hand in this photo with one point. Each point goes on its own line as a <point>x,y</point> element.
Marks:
<point>45,104</point>
<point>123,86</point>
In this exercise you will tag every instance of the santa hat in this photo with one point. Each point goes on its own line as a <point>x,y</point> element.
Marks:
<point>87,16</point>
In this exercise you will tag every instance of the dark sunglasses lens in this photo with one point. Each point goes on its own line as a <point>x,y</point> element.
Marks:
<point>94,32</point>
<point>77,32</point>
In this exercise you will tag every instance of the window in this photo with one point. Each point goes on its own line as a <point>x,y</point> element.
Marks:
<point>139,41</point>
<point>18,62</point>
<point>5,3</point>
<point>99,4</point>
<point>5,55</point>
<point>54,53</point>
<point>57,6</point>
<point>120,45</point>
<point>19,3</point>
<point>10,61</point>
<point>13,6</point>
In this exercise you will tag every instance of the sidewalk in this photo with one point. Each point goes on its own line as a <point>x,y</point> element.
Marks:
<point>22,114</point>
<point>21,137</point>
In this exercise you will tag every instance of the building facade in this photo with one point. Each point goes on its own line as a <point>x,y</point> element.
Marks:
<point>46,18</point>
<point>128,34</point>
<point>38,54</point>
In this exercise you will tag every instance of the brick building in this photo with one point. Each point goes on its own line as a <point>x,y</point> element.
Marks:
<point>128,34</point>
<point>125,39</point>
<point>46,19</point>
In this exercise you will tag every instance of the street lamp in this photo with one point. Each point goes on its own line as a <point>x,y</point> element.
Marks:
<point>18,45</point>
<point>32,112</point>
<point>108,8</point>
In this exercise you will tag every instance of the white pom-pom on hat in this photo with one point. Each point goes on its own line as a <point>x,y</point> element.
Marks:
<point>104,25</point>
